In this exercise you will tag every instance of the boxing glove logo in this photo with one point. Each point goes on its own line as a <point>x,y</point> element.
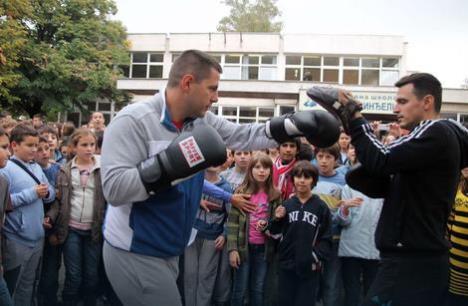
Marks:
<point>191,151</point>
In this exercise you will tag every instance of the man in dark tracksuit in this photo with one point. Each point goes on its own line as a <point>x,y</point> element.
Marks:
<point>422,169</point>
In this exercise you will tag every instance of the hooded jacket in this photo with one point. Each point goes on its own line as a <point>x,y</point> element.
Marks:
<point>306,235</point>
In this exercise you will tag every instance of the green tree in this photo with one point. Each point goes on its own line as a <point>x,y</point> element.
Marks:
<point>13,38</point>
<point>251,17</point>
<point>67,56</point>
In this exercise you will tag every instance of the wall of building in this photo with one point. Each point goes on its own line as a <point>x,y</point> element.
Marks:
<point>269,73</point>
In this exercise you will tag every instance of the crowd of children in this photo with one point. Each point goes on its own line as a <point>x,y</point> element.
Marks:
<point>306,236</point>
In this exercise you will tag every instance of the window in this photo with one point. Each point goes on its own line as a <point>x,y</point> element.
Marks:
<point>269,60</point>
<point>156,57</point>
<point>293,60</point>
<point>349,70</point>
<point>293,74</point>
<point>370,62</point>
<point>390,62</point>
<point>232,68</point>
<point>351,77</point>
<point>139,71</point>
<point>286,109</point>
<point>146,65</point>
<point>231,73</point>
<point>331,61</point>
<point>266,112</point>
<point>350,62</point>
<point>139,57</point>
<point>312,61</point>
<point>370,77</point>
<point>104,106</point>
<point>246,114</point>
<point>92,106</point>
<point>330,75</point>
<point>249,67</point>
<point>311,74</point>
<point>155,72</point>
<point>245,111</point>
<point>232,59</point>
<point>229,111</point>
<point>388,77</point>
<point>389,74</point>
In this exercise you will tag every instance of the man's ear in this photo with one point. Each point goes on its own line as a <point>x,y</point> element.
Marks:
<point>429,101</point>
<point>186,82</point>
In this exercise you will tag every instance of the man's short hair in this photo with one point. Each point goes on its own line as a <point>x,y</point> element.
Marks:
<point>21,131</point>
<point>333,150</point>
<point>194,62</point>
<point>424,84</point>
<point>38,116</point>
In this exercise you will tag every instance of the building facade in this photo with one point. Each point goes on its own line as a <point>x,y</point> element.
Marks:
<point>267,74</point>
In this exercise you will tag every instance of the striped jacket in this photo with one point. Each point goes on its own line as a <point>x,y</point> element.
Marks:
<point>458,228</point>
<point>424,167</point>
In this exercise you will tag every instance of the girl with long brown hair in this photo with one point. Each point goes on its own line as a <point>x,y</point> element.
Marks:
<point>249,245</point>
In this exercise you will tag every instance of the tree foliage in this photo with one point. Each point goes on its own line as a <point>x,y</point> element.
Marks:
<point>244,16</point>
<point>58,54</point>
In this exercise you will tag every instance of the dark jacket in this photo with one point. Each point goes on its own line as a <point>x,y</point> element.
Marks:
<point>424,168</point>
<point>5,204</point>
<point>60,210</point>
<point>307,236</point>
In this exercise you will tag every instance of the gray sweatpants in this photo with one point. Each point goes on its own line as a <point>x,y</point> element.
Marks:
<point>24,261</point>
<point>200,269</point>
<point>140,280</point>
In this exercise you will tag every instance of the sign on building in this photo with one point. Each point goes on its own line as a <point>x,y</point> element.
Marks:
<point>372,102</point>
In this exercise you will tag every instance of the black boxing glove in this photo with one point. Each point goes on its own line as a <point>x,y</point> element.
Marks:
<point>187,154</point>
<point>328,98</point>
<point>372,186</point>
<point>319,127</point>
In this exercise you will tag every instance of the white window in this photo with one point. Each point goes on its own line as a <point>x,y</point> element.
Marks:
<point>146,65</point>
<point>349,70</point>
<point>249,67</point>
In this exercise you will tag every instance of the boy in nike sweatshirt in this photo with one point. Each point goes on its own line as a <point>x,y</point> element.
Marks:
<point>305,223</point>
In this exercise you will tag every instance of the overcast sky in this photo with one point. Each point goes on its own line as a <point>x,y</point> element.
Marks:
<point>436,30</point>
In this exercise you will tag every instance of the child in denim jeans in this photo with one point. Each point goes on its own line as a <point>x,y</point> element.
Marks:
<point>79,220</point>
<point>249,245</point>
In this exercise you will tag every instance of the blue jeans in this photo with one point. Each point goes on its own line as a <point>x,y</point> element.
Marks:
<point>48,284</point>
<point>81,257</point>
<point>5,298</point>
<point>253,270</point>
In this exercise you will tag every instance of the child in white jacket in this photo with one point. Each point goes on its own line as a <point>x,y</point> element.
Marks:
<point>357,251</point>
